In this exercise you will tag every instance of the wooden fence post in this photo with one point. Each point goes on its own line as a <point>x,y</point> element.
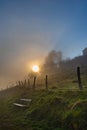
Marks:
<point>34,83</point>
<point>79,78</point>
<point>46,82</point>
<point>28,83</point>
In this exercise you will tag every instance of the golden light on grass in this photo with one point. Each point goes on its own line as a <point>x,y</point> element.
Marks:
<point>35,68</point>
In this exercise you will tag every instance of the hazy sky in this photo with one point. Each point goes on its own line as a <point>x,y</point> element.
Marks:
<point>31,28</point>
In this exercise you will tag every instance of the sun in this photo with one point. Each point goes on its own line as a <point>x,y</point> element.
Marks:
<point>35,68</point>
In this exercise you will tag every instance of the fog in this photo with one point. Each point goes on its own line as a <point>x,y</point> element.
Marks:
<point>30,29</point>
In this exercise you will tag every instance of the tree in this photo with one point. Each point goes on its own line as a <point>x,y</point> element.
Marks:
<point>85,51</point>
<point>53,59</point>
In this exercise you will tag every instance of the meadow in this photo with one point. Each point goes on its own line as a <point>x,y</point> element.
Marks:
<point>62,107</point>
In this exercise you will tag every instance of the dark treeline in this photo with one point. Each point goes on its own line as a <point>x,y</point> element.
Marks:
<point>72,64</point>
<point>54,62</point>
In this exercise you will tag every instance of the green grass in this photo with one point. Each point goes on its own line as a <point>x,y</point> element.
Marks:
<point>62,107</point>
<point>56,109</point>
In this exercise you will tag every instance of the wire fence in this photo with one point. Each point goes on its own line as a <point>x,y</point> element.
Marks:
<point>52,80</point>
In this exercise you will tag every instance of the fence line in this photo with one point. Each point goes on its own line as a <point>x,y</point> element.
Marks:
<point>54,79</point>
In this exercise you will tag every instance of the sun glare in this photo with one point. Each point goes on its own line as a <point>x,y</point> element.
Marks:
<point>35,68</point>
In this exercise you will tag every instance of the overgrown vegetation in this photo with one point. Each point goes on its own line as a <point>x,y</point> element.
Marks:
<point>49,110</point>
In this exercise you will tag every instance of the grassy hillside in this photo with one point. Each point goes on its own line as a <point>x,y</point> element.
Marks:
<point>56,109</point>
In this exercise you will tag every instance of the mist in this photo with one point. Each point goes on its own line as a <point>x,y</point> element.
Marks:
<point>18,52</point>
<point>29,30</point>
